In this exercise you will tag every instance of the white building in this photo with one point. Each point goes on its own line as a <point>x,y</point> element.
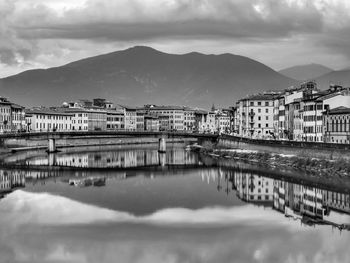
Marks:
<point>44,119</point>
<point>256,116</point>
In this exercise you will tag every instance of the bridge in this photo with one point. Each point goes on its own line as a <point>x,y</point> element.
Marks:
<point>53,136</point>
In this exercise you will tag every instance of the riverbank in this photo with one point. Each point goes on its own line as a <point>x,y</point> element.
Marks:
<point>317,166</point>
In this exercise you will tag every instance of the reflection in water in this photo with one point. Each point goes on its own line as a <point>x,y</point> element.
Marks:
<point>310,204</point>
<point>10,180</point>
<point>117,159</point>
<point>174,207</point>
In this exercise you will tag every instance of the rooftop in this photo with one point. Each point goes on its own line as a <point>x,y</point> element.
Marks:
<point>339,110</point>
<point>46,111</point>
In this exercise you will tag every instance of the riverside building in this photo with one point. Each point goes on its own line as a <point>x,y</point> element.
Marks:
<point>12,116</point>
<point>43,119</point>
<point>255,116</point>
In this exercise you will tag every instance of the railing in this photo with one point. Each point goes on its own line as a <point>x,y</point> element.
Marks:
<point>108,133</point>
<point>288,143</point>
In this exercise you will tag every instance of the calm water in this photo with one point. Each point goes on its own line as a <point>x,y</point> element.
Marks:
<point>135,205</point>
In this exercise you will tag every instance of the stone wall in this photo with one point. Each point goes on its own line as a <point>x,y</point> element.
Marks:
<point>302,149</point>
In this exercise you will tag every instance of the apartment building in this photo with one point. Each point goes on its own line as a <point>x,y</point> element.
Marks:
<point>44,119</point>
<point>151,123</point>
<point>80,119</point>
<point>175,116</point>
<point>12,116</point>
<point>336,128</point>
<point>115,120</point>
<point>256,116</point>
<point>223,122</point>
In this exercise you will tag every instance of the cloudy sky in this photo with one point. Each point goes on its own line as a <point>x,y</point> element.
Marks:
<point>279,33</point>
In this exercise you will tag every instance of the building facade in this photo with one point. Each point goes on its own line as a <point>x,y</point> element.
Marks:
<point>43,119</point>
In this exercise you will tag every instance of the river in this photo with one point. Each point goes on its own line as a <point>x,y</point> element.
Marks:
<point>132,204</point>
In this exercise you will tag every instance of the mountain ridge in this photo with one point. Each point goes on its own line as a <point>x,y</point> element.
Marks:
<point>306,72</point>
<point>142,75</point>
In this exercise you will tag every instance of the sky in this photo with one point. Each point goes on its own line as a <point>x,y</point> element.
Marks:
<point>278,33</point>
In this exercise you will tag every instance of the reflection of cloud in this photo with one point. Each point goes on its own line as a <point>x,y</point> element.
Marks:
<point>125,241</point>
<point>21,207</point>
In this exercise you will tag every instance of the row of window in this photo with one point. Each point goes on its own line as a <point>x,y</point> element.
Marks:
<point>260,103</point>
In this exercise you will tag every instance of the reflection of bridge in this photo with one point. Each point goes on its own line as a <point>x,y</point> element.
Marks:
<point>53,136</point>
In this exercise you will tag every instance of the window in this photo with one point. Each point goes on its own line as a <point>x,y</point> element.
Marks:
<point>266,110</point>
<point>259,110</point>
<point>267,118</point>
<point>259,103</point>
<point>252,103</point>
<point>266,103</point>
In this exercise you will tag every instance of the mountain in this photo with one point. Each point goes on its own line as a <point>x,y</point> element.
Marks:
<point>339,77</point>
<point>142,75</point>
<point>305,72</point>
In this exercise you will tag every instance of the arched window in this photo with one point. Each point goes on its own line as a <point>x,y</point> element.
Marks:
<point>341,125</point>
<point>345,126</point>
<point>336,126</point>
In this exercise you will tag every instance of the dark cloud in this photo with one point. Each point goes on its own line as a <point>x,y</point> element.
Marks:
<point>30,25</point>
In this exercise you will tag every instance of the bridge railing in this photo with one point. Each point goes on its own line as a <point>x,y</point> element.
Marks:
<point>289,143</point>
<point>10,135</point>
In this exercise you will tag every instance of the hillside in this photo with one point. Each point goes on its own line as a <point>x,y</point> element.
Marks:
<point>142,75</point>
<point>305,72</point>
<point>340,77</point>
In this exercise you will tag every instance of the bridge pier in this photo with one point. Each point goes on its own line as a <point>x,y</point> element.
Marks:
<point>52,146</point>
<point>162,145</point>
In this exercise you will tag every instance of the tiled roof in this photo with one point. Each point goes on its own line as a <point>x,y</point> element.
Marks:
<point>46,111</point>
<point>339,110</point>
<point>260,97</point>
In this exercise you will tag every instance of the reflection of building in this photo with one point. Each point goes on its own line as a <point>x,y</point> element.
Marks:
<point>307,203</point>
<point>311,204</point>
<point>10,180</point>
<point>253,188</point>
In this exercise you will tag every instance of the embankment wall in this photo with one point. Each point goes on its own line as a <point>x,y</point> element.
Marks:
<point>301,149</point>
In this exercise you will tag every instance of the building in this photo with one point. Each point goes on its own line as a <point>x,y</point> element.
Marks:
<point>151,123</point>
<point>336,128</point>
<point>97,119</point>
<point>79,118</point>
<point>115,120</point>
<point>223,122</point>
<point>174,114</point>
<point>205,122</point>
<point>255,116</point>
<point>130,116</point>
<point>12,117</point>
<point>18,118</point>
<point>43,119</point>
<point>314,108</point>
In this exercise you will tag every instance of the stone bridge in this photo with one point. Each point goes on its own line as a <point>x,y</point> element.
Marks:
<point>52,137</point>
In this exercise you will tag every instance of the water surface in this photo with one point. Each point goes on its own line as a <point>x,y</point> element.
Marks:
<point>135,205</point>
